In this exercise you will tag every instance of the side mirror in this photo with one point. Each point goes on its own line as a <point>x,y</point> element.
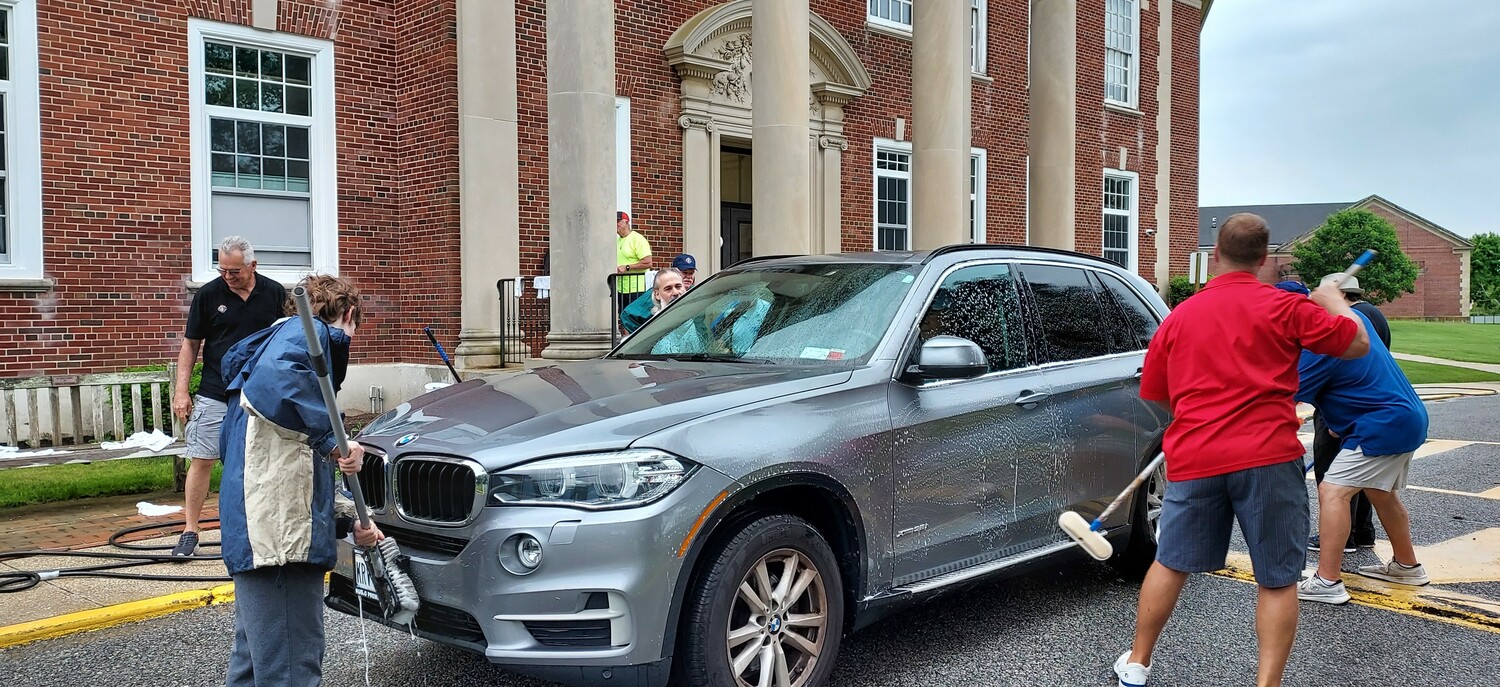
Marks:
<point>949,357</point>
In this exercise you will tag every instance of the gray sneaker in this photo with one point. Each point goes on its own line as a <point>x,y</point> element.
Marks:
<point>187,544</point>
<point>1392,571</point>
<point>1315,589</point>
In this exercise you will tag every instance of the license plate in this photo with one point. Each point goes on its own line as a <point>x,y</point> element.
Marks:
<point>364,582</point>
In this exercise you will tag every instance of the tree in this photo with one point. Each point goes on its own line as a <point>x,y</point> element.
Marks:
<point>1346,234</point>
<point>1484,273</point>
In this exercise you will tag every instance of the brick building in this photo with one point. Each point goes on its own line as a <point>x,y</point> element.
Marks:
<point>406,145</point>
<point>1442,257</point>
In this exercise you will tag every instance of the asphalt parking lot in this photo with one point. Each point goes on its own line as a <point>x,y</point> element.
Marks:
<point>1060,627</point>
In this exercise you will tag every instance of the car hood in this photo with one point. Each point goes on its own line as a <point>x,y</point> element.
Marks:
<point>592,405</point>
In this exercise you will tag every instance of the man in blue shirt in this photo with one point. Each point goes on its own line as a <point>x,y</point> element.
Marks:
<point>1369,404</point>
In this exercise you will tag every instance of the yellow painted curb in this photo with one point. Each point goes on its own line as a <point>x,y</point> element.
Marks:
<point>109,616</point>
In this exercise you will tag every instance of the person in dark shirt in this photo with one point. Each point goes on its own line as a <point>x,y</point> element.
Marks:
<point>1326,446</point>
<point>224,311</point>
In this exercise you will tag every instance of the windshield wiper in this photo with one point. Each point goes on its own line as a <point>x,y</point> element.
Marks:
<point>715,358</point>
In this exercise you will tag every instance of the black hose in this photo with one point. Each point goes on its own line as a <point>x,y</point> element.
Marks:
<point>21,580</point>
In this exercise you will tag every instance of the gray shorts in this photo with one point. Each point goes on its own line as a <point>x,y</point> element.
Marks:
<point>1352,468</point>
<point>1270,503</point>
<point>203,428</point>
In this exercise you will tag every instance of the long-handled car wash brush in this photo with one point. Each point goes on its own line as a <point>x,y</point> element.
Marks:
<point>397,593</point>
<point>1086,533</point>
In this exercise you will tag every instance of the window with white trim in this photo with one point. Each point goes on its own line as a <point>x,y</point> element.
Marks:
<point>1121,51</point>
<point>263,148</point>
<point>622,155</point>
<point>1120,218</point>
<point>977,227</point>
<point>20,144</point>
<point>978,9</point>
<point>894,14</point>
<point>892,198</point>
<point>893,194</point>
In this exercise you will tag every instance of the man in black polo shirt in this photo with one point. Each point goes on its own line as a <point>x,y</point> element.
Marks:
<point>226,310</point>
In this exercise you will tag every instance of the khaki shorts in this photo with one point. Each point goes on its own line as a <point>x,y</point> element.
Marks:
<point>1352,468</point>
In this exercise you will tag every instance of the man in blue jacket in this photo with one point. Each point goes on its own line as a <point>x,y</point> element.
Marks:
<point>276,498</point>
<point>1373,409</point>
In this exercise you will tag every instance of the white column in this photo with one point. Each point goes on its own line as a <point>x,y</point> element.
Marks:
<point>940,138</point>
<point>1054,121</point>
<point>1163,267</point>
<point>488,163</point>
<point>580,174</point>
<point>779,84</point>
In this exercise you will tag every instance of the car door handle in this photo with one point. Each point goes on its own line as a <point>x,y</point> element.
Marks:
<point>1028,399</point>
<point>1138,372</point>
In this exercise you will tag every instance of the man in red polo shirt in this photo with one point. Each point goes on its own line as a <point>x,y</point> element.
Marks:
<point>1225,363</point>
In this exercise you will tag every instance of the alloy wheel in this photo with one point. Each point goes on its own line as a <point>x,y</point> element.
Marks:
<point>1156,494</point>
<point>777,627</point>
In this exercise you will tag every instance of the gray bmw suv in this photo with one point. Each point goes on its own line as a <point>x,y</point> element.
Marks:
<point>793,449</point>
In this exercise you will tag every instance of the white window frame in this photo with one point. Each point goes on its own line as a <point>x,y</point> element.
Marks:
<point>1132,250</point>
<point>904,148</point>
<point>889,146</point>
<point>876,20</point>
<point>23,133</point>
<point>622,156</point>
<point>322,144</point>
<point>979,12</point>
<point>1133,81</point>
<point>978,162</point>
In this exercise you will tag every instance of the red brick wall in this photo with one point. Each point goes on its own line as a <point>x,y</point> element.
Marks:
<point>1186,22</point>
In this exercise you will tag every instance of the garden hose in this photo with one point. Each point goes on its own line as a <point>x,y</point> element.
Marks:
<point>21,580</point>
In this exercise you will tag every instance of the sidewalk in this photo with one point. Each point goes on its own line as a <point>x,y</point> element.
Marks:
<point>1482,367</point>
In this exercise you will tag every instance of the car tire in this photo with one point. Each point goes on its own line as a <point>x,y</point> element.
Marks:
<point>799,632</point>
<point>1140,549</point>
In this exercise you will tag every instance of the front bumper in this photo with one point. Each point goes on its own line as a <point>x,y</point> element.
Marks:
<point>594,610</point>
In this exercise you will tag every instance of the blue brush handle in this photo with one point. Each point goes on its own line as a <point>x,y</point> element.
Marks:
<point>439,346</point>
<point>1359,262</point>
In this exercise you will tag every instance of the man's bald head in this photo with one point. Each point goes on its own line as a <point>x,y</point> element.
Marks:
<point>1243,242</point>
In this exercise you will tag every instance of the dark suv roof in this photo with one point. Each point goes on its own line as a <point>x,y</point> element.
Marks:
<point>926,256</point>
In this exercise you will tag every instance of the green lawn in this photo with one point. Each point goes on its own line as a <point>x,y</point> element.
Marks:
<point>1426,373</point>
<point>1475,343</point>
<point>25,486</point>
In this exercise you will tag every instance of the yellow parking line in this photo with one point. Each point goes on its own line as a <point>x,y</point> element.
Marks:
<point>1406,603</point>
<point>1491,494</point>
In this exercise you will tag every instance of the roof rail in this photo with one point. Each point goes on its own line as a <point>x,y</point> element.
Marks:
<point>759,258</point>
<point>964,247</point>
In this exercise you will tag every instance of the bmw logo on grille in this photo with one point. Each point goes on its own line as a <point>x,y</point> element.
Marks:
<point>406,440</point>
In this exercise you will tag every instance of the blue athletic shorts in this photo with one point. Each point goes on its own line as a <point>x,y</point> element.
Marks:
<point>1270,503</point>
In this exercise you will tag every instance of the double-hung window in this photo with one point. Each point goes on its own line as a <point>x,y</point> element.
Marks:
<point>1122,51</point>
<point>896,16</point>
<point>1120,218</point>
<point>892,197</point>
<point>893,162</point>
<point>263,148</point>
<point>20,143</point>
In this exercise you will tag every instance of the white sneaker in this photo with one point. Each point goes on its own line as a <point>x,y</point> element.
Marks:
<point>1131,674</point>
<point>1317,589</point>
<point>1392,571</point>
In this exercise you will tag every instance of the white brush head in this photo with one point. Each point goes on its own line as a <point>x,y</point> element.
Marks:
<point>1093,542</point>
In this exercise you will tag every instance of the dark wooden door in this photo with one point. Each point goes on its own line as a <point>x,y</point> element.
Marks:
<point>735,231</point>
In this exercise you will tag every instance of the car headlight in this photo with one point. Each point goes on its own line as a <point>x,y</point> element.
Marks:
<point>594,481</point>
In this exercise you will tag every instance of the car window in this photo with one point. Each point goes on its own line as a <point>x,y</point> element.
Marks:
<point>979,303</point>
<point>1068,313</point>
<point>826,314</point>
<point>1132,322</point>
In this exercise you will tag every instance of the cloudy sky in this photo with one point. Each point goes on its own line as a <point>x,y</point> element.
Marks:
<point>1332,100</point>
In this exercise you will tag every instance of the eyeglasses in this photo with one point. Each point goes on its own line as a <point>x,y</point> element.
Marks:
<point>228,273</point>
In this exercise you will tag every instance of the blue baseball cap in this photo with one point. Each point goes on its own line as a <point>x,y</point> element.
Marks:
<point>684,262</point>
<point>1294,287</point>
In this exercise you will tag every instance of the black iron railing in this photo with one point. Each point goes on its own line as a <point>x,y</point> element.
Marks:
<point>525,315</point>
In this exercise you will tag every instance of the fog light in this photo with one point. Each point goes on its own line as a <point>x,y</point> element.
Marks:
<point>529,552</point>
<point>520,554</point>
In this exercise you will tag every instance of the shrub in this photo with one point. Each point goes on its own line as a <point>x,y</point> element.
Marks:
<point>1179,288</point>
